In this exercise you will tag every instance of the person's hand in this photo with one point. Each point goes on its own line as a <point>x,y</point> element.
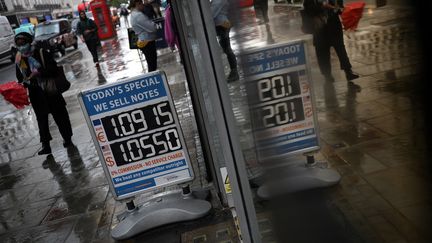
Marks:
<point>82,38</point>
<point>87,31</point>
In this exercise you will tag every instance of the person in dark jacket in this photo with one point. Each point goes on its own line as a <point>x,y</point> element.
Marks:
<point>87,30</point>
<point>331,35</point>
<point>32,72</point>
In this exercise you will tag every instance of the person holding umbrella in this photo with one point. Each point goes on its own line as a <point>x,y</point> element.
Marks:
<point>33,67</point>
<point>329,35</point>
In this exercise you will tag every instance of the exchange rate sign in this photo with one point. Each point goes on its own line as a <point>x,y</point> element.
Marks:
<point>280,100</point>
<point>137,133</point>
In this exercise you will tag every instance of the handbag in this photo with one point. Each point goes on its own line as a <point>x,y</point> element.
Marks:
<point>55,85</point>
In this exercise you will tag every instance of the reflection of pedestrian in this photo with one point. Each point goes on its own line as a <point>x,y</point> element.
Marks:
<point>145,30</point>
<point>219,10</point>
<point>87,30</point>
<point>270,39</point>
<point>33,72</point>
<point>262,6</point>
<point>76,202</point>
<point>331,35</point>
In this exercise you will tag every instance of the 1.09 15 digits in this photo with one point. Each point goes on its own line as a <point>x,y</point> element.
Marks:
<point>137,121</point>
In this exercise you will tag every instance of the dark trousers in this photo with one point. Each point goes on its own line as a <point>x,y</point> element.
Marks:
<point>262,5</point>
<point>61,118</point>
<point>92,47</point>
<point>224,42</point>
<point>150,54</point>
<point>323,56</point>
<point>331,36</point>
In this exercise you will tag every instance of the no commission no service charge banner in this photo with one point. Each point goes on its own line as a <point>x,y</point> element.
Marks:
<point>136,131</point>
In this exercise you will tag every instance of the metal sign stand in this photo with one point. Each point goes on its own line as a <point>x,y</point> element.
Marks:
<point>137,134</point>
<point>164,210</point>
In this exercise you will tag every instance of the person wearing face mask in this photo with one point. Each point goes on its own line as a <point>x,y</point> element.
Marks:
<point>32,72</point>
<point>87,30</point>
<point>145,30</point>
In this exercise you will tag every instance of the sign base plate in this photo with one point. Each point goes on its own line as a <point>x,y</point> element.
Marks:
<point>299,177</point>
<point>165,210</point>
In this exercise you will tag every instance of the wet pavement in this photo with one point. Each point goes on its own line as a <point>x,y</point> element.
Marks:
<point>372,131</point>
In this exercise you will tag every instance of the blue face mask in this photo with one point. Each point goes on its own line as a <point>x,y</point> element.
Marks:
<point>24,48</point>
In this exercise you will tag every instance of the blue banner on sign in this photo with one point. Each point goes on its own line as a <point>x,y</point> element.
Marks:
<point>273,59</point>
<point>124,94</point>
<point>289,147</point>
<point>139,185</point>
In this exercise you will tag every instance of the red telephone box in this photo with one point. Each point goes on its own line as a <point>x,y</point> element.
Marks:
<point>102,17</point>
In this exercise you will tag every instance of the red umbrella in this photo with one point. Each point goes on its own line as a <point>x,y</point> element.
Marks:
<point>352,14</point>
<point>84,6</point>
<point>15,93</point>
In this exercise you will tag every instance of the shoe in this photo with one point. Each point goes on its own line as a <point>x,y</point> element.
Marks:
<point>46,149</point>
<point>233,76</point>
<point>350,75</point>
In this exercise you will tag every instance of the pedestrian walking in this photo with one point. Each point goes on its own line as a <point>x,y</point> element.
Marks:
<point>87,30</point>
<point>262,6</point>
<point>145,30</point>
<point>219,10</point>
<point>329,35</point>
<point>124,12</point>
<point>33,67</point>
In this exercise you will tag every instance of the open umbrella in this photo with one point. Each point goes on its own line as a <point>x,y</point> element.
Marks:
<point>352,14</point>
<point>15,93</point>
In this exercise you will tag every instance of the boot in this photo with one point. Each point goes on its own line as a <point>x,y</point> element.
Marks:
<point>233,76</point>
<point>46,148</point>
<point>350,75</point>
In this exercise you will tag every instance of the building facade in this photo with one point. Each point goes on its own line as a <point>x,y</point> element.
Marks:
<point>35,11</point>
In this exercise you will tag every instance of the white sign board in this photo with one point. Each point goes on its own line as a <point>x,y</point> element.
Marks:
<point>137,134</point>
